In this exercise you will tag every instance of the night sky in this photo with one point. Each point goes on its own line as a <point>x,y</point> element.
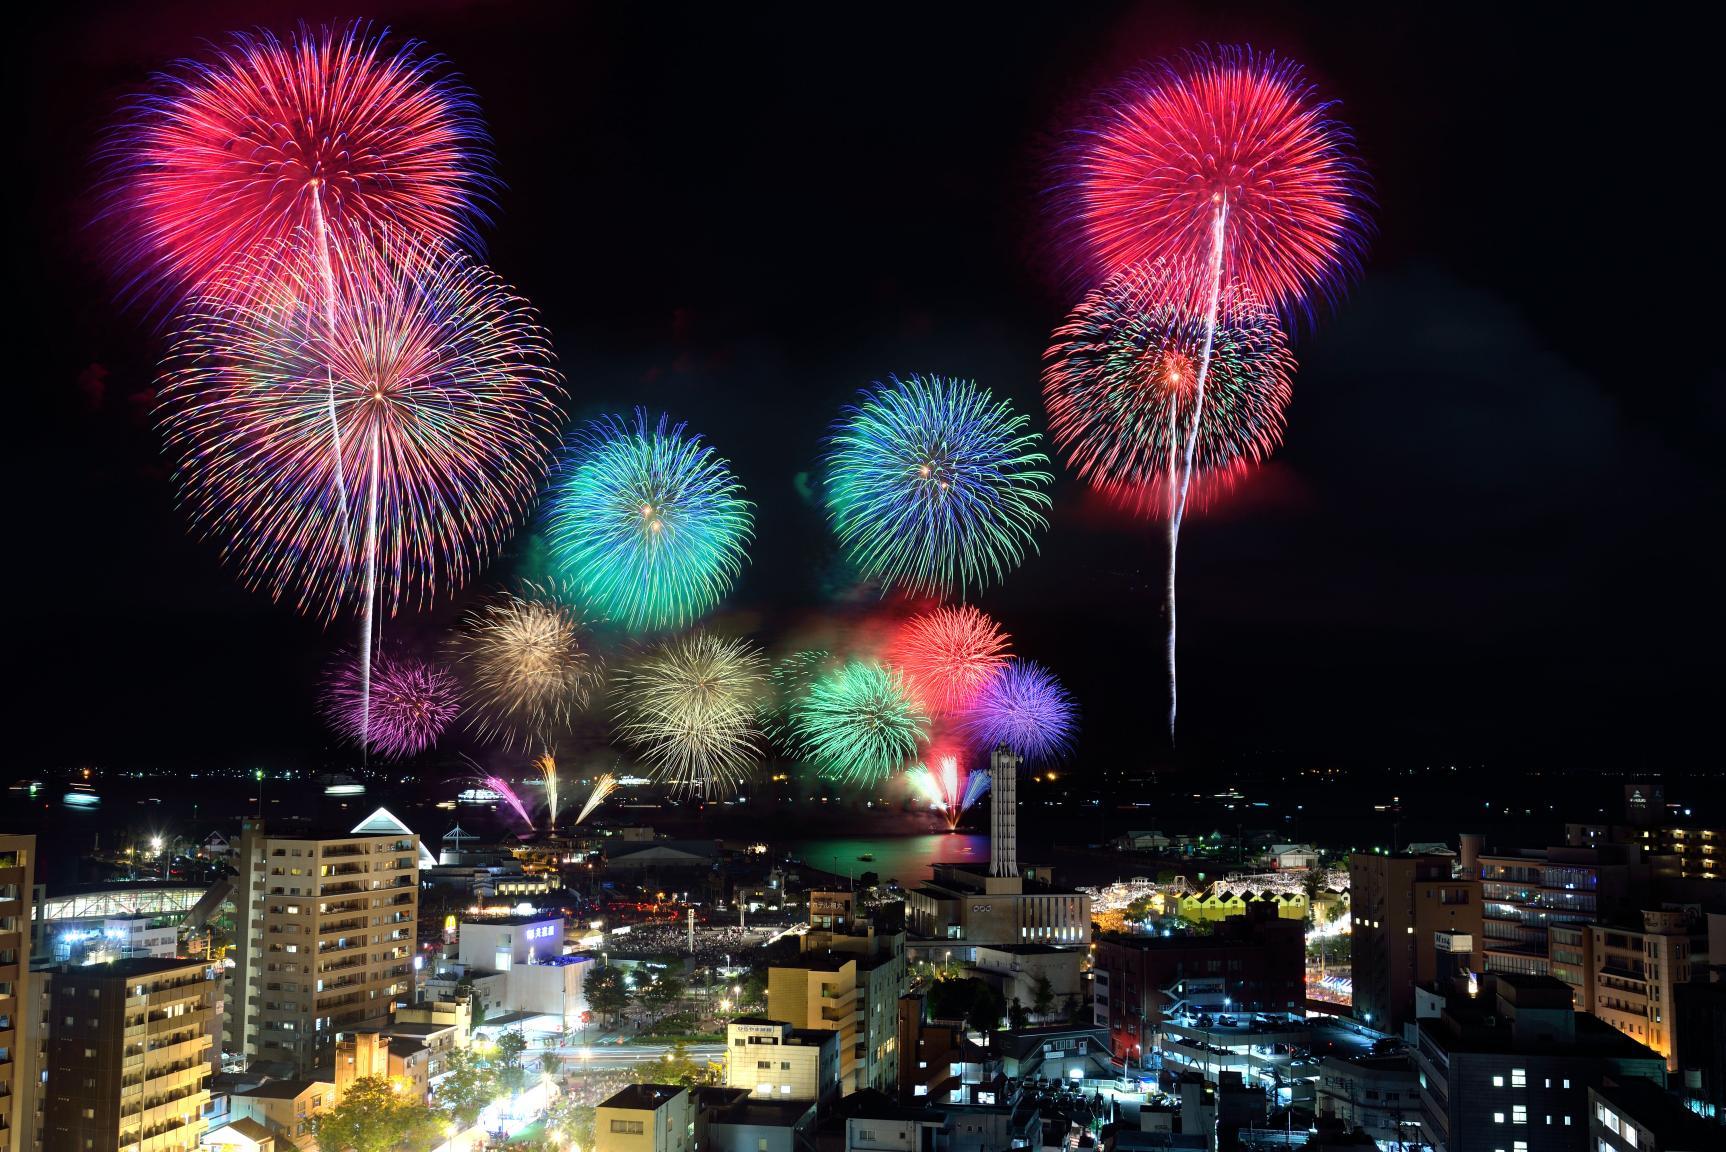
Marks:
<point>1492,534</point>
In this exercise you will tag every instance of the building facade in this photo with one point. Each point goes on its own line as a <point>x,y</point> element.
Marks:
<point>129,1056</point>
<point>18,1011</point>
<point>326,939</point>
<point>1399,905</point>
<point>646,1118</point>
<point>1636,973</point>
<point>771,1060</point>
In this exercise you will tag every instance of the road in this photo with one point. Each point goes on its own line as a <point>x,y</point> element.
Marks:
<point>600,1057</point>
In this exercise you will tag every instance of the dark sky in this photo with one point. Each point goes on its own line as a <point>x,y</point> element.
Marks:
<point>1492,535</point>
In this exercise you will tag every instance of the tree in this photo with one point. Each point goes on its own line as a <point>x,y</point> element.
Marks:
<point>1042,996</point>
<point>511,1076</point>
<point>607,994</point>
<point>987,1008</point>
<point>374,1116</point>
<point>676,1068</point>
<point>470,1085</point>
<point>571,1121</point>
<point>1016,1016</point>
<point>753,997</point>
<point>660,995</point>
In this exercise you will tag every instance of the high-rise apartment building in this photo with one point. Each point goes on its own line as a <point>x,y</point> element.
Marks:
<point>849,982</point>
<point>17,1009</point>
<point>1399,906</point>
<point>328,925</point>
<point>128,1064</point>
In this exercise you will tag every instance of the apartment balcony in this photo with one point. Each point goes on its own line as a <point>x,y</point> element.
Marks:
<point>341,850</point>
<point>341,888</point>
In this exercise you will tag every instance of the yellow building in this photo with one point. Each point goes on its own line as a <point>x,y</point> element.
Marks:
<point>17,1009</point>
<point>1636,974</point>
<point>771,1060</point>
<point>129,1056</point>
<point>1220,901</point>
<point>646,1118</point>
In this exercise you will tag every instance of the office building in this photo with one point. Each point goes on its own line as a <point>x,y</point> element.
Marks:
<point>1399,906</point>
<point>1510,1067</point>
<point>18,1010</point>
<point>771,1060</point>
<point>326,938</point>
<point>1377,1094</point>
<point>1007,903</point>
<point>129,1056</point>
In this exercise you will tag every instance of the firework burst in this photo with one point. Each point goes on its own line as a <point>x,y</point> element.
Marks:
<point>646,523</point>
<point>1024,709</point>
<point>787,683</point>
<point>332,133</point>
<point>412,702</point>
<point>1120,385</point>
<point>1219,132</point>
<point>1226,168</point>
<point>858,723</point>
<point>948,788</point>
<point>689,710</point>
<point>935,486</point>
<point>529,667</point>
<point>445,405</point>
<point>948,654</point>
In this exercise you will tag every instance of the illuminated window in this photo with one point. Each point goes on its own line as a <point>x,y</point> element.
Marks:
<point>1519,1077</point>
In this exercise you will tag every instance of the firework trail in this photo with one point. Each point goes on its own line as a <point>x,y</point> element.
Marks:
<point>646,523</point>
<point>1120,379</point>
<point>412,701</point>
<point>947,655</point>
<point>445,387</point>
<point>689,709</point>
<point>529,667</point>
<point>510,796</point>
<point>948,788</point>
<point>1224,166</point>
<point>602,788</point>
<point>858,723</point>
<point>935,486</point>
<point>1024,709</point>
<point>546,766</point>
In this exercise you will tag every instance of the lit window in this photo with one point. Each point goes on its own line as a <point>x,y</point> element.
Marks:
<point>1519,1077</point>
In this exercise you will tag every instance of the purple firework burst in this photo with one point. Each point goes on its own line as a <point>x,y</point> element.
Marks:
<point>1025,708</point>
<point>412,702</point>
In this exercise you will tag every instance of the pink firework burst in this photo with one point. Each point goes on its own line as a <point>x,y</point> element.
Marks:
<point>412,702</point>
<point>948,654</point>
<point>1146,178</point>
<point>332,132</point>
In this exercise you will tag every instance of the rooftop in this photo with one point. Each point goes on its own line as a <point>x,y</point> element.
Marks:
<point>766,1113</point>
<point>511,921</point>
<point>131,967</point>
<point>281,1089</point>
<point>642,1097</point>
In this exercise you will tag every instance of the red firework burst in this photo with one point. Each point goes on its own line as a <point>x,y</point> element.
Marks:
<point>1146,177</point>
<point>327,132</point>
<point>947,655</point>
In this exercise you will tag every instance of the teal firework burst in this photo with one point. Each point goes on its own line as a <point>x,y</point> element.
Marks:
<point>858,723</point>
<point>647,524</point>
<point>935,486</point>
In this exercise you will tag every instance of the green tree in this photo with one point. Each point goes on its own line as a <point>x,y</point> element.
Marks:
<point>375,1117</point>
<point>676,1068</point>
<point>986,1009</point>
<point>511,1073</point>
<point>571,1121</point>
<point>1042,996</point>
<point>1016,1015</point>
<point>468,1087</point>
<point>753,994</point>
<point>660,995</point>
<point>607,994</point>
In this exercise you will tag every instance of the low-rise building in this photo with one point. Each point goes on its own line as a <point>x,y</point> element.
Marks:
<point>646,1118</point>
<point>771,1060</point>
<point>1024,971</point>
<point>1378,1095</point>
